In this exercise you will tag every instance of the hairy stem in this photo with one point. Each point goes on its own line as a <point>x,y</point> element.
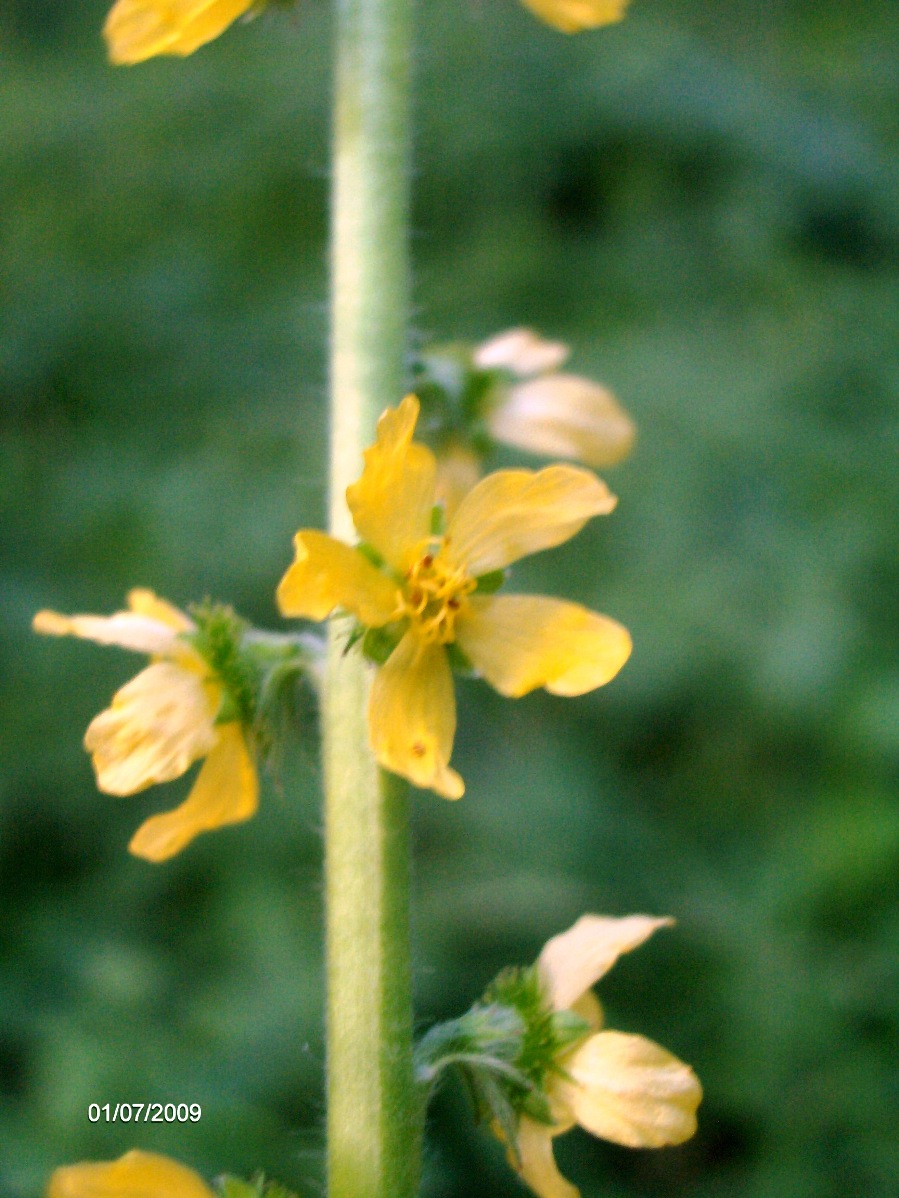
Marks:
<point>373,1109</point>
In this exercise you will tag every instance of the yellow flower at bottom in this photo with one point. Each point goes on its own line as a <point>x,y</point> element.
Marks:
<point>622,1088</point>
<point>431,590</point>
<point>139,29</point>
<point>135,1175</point>
<point>161,722</point>
<point>571,16</point>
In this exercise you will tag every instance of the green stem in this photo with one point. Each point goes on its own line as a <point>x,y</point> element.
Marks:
<point>373,1108</point>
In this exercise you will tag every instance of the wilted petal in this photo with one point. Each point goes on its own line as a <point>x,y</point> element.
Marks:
<point>512,513</point>
<point>570,16</point>
<point>575,960</point>
<point>157,725</point>
<point>564,416</point>
<point>139,29</point>
<point>412,716</point>
<point>328,574</point>
<point>226,792</point>
<point>520,351</point>
<point>521,642</point>
<point>392,501</point>
<point>538,1165</point>
<point>631,1091</point>
<point>135,1175</point>
<point>126,629</point>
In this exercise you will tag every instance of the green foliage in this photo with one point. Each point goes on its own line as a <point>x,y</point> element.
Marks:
<point>704,205</point>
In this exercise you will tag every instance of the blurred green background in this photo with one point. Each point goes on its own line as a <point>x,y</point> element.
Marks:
<point>704,201</point>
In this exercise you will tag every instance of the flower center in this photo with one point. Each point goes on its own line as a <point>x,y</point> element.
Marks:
<point>433,594</point>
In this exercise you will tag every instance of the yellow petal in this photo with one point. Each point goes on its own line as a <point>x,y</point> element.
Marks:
<point>412,716</point>
<point>512,513</point>
<point>139,29</point>
<point>631,1091</point>
<point>147,603</point>
<point>564,416</point>
<point>156,727</point>
<point>391,503</point>
<point>571,16</point>
<point>538,1165</point>
<point>521,642</point>
<point>458,470</point>
<point>128,630</point>
<point>329,574</point>
<point>226,792</point>
<point>522,352</point>
<point>575,960</point>
<point>135,1175</point>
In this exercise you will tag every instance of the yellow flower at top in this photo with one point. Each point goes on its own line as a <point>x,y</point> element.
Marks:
<point>620,1087</point>
<point>135,1175</point>
<point>571,16</point>
<point>431,590</point>
<point>139,29</point>
<point>161,722</point>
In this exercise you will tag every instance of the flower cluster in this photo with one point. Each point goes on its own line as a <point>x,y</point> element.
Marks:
<point>427,591</point>
<point>510,390</point>
<point>537,1059</point>
<point>620,1087</point>
<point>198,699</point>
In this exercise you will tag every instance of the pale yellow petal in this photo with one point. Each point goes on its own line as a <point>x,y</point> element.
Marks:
<point>145,602</point>
<point>512,513</point>
<point>135,1175</point>
<point>412,716</point>
<point>392,501</point>
<point>631,1091</point>
<point>564,416</point>
<point>538,1165</point>
<point>521,351</point>
<point>128,630</point>
<point>571,16</point>
<point>575,960</point>
<point>139,29</point>
<point>521,642</point>
<point>458,470</point>
<point>328,574</point>
<point>226,792</point>
<point>156,727</point>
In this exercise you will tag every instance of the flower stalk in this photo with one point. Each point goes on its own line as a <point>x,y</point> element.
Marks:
<point>373,1108</point>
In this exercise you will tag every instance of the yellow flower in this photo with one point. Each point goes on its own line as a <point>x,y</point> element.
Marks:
<point>550,413</point>
<point>139,29</point>
<point>135,1175</point>
<point>161,722</point>
<point>620,1087</point>
<point>571,16</point>
<point>427,587</point>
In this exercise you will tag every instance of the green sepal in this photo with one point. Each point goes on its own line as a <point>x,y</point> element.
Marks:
<point>218,639</point>
<point>379,643</point>
<point>356,634</point>
<point>438,520</point>
<point>489,583</point>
